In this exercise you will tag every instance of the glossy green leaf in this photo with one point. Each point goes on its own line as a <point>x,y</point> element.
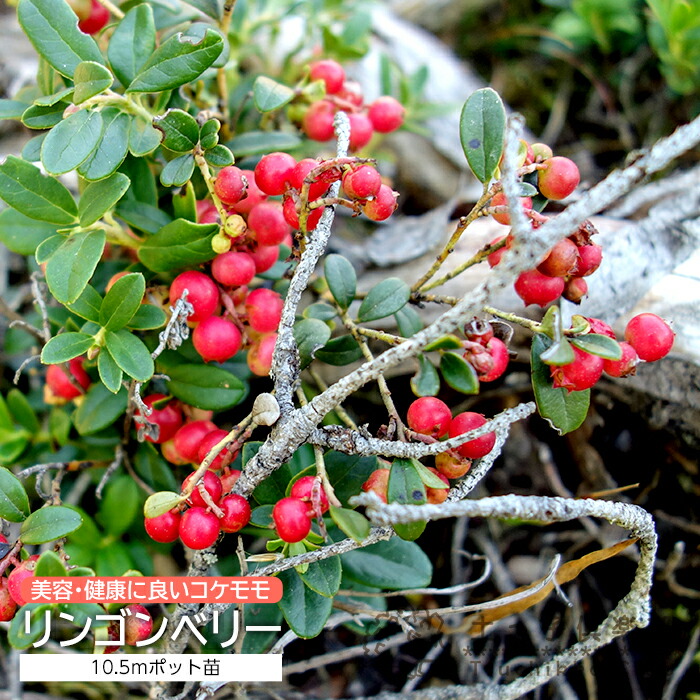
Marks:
<point>340,351</point>
<point>161,502</point>
<point>347,473</point>
<point>445,342</point>
<point>87,305</point>
<point>143,217</point>
<point>49,564</point>
<point>100,197</point>
<point>14,503</point>
<point>129,352</point>
<point>52,28</point>
<point>37,196</point>
<point>256,142</point>
<point>90,79</point>
<point>70,143</point>
<point>153,469</point>
<point>110,372</point>
<point>32,149</point>
<point>22,411</point>
<point>178,171</point>
<point>21,234</point>
<point>310,334</point>
<point>596,344</point>
<point>35,614</point>
<point>558,353</point>
<point>48,247</point>
<point>179,244</point>
<point>564,410</point>
<point>56,97</point>
<point>70,268</point>
<point>341,278</point>
<point>406,487</point>
<point>66,346</point>
<point>12,109</point>
<point>320,310</point>
<point>120,504</point>
<point>143,137</point>
<point>208,388</point>
<point>211,8</point>
<point>431,480</point>
<point>147,317</point>
<point>43,116</point>
<point>304,610</point>
<point>132,43</point>
<point>482,132</point>
<point>209,133</point>
<point>426,381</point>
<point>112,147</point>
<point>324,576</point>
<point>384,299</point>
<point>185,203</point>
<point>122,301</point>
<point>178,61</point>
<point>391,565</point>
<point>458,373</point>
<point>219,156</point>
<point>13,442</point>
<point>98,409</point>
<point>269,95</point>
<point>275,486</point>
<point>59,425</point>
<point>409,321</point>
<point>179,130</point>
<point>353,524</point>
<point>48,524</point>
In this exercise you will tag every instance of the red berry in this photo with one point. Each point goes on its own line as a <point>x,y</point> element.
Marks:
<point>303,490</point>
<point>98,19</point>
<point>362,182</point>
<point>318,121</point>
<point>558,178</point>
<point>137,629</point>
<point>216,339</point>
<point>163,528</point>
<point>233,269</point>
<point>575,289</point>
<point>291,215</point>
<point>229,477</point>
<point>435,495</point>
<point>254,195</point>
<point>499,354</point>
<point>212,485</point>
<point>168,418</point>
<point>273,171</point>
<point>590,257</point>
<point>264,309</point>
<point>479,447</point>
<point>259,356</point>
<point>203,294</point>
<point>352,93</point>
<point>382,206</point>
<point>199,528</point>
<point>291,519</point>
<point>264,257</point>
<point>8,606</point>
<point>361,131</point>
<point>57,380</point>
<point>600,327</point>
<point>535,288</point>
<point>452,465</point>
<point>236,513</point>
<point>169,452</point>
<point>22,571</point>
<point>479,331</point>
<point>189,436</point>
<point>499,200</point>
<point>378,482</point>
<point>230,185</point>
<point>206,212</point>
<point>208,442</point>
<point>561,260</point>
<point>331,72</point>
<point>301,170</point>
<point>580,374</point>
<point>495,257</point>
<point>267,224</point>
<point>650,336</point>
<point>386,114</point>
<point>429,416</point>
<point>626,365</point>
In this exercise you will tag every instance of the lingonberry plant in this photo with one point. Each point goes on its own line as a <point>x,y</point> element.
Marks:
<point>178,268</point>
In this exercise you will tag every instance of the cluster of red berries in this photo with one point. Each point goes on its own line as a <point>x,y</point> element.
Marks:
<point>384,115</point>
<point>93,16</point>
<point>293,514</point>
<point>647,337</point>
<point>486,353</point>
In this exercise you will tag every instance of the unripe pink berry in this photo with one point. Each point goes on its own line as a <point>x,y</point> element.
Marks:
<point>318,121</point>
<point>273,171</point>
<point>499,200</point>
<point>233,269</point>
<point>264,309</point>
<point>386,114</point>
<point>230,185</point>
<point>378,482</point>
<point>558,178</point>
<point>266,222</point>
<point>259,356</point>
<point>590,257</point>
<point>331,72</point>
<point>575,289</point>
<point>499,354</point>
<point>254,195</point>
<point>382,206</point>
<point>362,182</point>
<point>264,257</point>
<point>361,131</point>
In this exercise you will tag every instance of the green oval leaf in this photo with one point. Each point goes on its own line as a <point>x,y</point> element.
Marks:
<point>324,576</point>
<point>352,523</point>
<point>565,411</point>
<point>110,373</point>
<point>129,352</point>
<point>406,487</point>
<point>70,268</point>
<point>112,147</point>
<point>100,197</point>
<point>596,344</point>
<point>482,132</point>
<point>120,504</point>
<point>219,156</point>
<point>320,310</point>
<point>48,524</point>
<point>90,79</point>
<point>384,299</point>
<point>70,143</point>
<point>22,410</point>
<point>52,27</point>
<point>341,278</point>
<point>14,503</point>
<point>256,142</point>
<point>98,409</point>
<point>161,502</point>
<point>426,381</point>
<point>143,138</point>
<point>122,301</point>
<point>66,346</point>
<point>558,353</point>
<point>147,317</point>
<point>269,95</point>
<point>87,305</point>
<point>180,131</point>
<point>304,610</point>
<point>212,8</point>
<point>43,116</point>
<point>178,171</point>
<point>132,43</point>
<point>409,321</point>
<point>18,636</point>
<point>445,342</point>
<point>209,133</point>
<point>37,196</point>
<point>340,351</point>
<point>179,244</point>
<point>458,373</point>
<point>178,61</point>
<point>21,234</point>
<point>49,564</point>
<point>310,335</point>
<point>208,388</point>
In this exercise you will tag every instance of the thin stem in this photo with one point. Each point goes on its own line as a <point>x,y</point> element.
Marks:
<point>209,181</point>
<point>342,413</point>
<point>534,326</point>
<point>221,82</point>
<point>381,335</point>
